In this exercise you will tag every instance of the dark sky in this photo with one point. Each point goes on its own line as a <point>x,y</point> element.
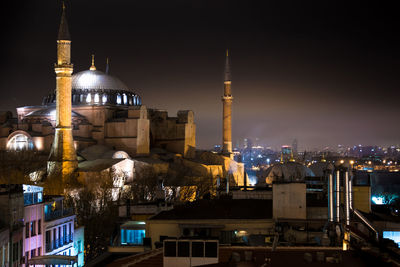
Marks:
<point>323,72</point>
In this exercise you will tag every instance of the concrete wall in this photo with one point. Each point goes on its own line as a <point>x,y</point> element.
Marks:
<point>175,134</point>
<point>362,198</point>
<point>289,201</point>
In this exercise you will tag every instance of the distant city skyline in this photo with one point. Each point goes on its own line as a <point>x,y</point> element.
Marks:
<point>322,73</point>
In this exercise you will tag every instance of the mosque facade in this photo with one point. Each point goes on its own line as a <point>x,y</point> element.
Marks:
<point>94,125</point>
<point>103,111</point>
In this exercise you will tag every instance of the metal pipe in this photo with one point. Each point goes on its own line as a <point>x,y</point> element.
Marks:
<point>347,197</point>
<point>337,196</point>
<point>330,197</point>
<point>351,193</point>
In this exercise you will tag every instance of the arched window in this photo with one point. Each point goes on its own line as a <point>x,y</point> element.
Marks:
<point>104,100</point>
<point>96,98</point>
<point>20,142</point>
<point>119,99</point>
<point>125,99</point>
<point>88,98</point>
<point>134,100</point>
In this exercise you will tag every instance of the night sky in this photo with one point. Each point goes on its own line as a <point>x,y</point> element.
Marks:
<point>324,73</point>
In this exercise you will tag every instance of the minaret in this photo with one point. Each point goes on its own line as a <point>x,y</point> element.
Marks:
<point>227,111</point>
<point>62,159</point>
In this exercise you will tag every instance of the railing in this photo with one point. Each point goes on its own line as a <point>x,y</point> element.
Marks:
<point>58,243</point>
<point>56,214</point>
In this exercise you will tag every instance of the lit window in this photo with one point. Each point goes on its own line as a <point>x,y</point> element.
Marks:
<point>104,100</point>
<point>119,99</point>
<point>125,99</point>
<point>96,98</point>
<point>132,237</point>
<point>20,142</point>
<point>134,100</point>
<point>392,235</point>
<point>88,98</point>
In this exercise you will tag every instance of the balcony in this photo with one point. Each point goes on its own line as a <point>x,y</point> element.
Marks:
<point>57,214</point>
<point>58,243</point>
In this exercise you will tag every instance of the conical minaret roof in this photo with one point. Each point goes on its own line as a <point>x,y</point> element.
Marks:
<point>63,32</point>
<point>227,67</point>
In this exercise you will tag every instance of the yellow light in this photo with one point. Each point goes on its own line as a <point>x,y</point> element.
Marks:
<point>342,161</point>
<point>351,162</point>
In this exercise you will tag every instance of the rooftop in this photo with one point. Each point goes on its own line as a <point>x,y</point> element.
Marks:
<point>219,209</point>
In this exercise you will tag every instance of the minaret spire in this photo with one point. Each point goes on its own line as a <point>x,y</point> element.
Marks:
<point>227,110</point>
<point>63,31</point>
<point>227,67</point>
<point>62,159</point>
<point>93,67</point>
<point>107,66</point>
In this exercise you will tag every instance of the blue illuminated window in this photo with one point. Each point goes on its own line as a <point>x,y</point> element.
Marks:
<point>392,235</point>
<point>132,237</point>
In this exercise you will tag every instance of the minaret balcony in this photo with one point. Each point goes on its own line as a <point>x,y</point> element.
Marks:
<point>227,97</point>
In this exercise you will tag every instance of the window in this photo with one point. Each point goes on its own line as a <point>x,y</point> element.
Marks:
<point>211,249</point>
<point>26,258</point>
<point>79,246</point>
<point>55,241</point>
<point>33,228</point>
<point>48,241</point>
<point>197,249</point>
<point>59,237</point>
<point>20,142</point>
<point>96,98</point>
<point>39,225</point>
<point>132,237</point>
<point>27,230</point>
<point>15,252</point>
<point>119,99</point>
<point>183,248</point>
<point>104,100</point>
<point>65,234</point>
<point>170,249</point>
<point>125,99</point>
<point>33,253</point>
<point>88,98</point>
<point>39,251</point>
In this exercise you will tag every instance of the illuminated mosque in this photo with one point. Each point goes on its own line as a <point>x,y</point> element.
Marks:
<point>106,123</point>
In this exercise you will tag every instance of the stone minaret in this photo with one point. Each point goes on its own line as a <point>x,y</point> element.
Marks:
<point>62,159</point>
<point>227,111</point>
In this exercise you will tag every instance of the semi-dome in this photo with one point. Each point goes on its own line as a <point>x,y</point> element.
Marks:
<point>97,80</point>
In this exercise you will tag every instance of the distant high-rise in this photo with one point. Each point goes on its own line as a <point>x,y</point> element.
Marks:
<point>227,110</point>
<point>62,159</point>
<point>294,146</point>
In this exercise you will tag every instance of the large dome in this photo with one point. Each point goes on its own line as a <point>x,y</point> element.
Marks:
<point>94,87</point>
<point>96,80</point>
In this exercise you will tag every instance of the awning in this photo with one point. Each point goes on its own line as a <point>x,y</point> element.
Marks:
<point>53,260</point>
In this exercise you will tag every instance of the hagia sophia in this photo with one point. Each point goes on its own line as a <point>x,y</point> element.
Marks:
<point>107,126</point>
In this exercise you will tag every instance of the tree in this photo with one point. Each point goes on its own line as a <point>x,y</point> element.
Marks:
<point>19,167</point>
<point>96,210</point>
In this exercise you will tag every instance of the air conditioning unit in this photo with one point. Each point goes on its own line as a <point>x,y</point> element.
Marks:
<point>185,252</point>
